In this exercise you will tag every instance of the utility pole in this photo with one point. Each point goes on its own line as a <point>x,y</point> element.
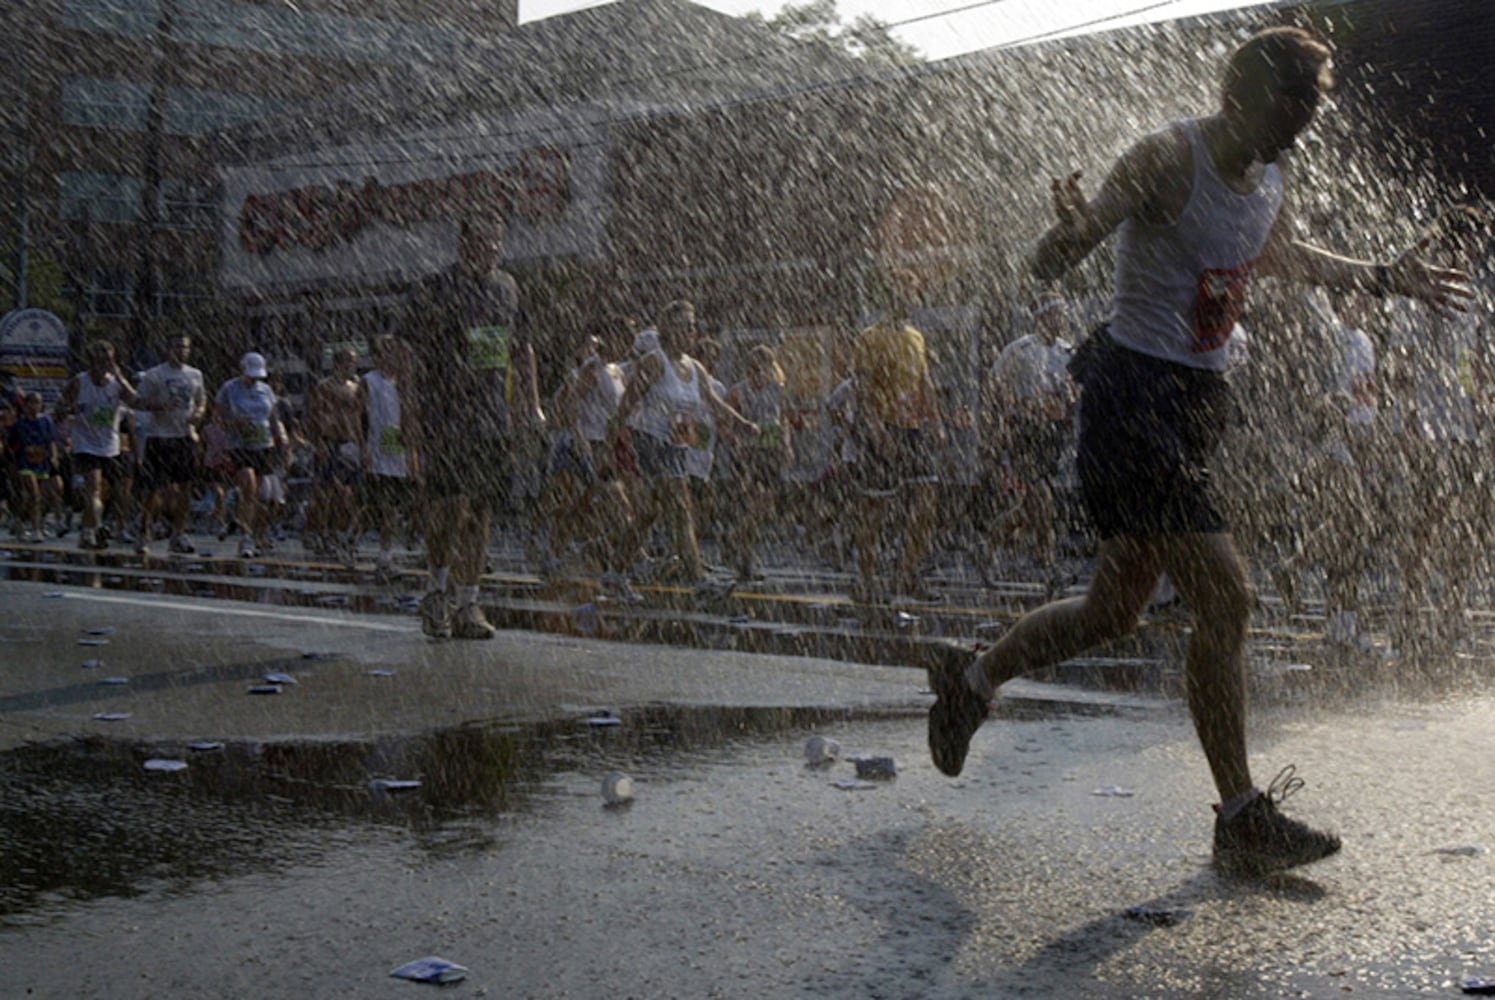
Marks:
<point>22,148</point>
<point>147,282</point>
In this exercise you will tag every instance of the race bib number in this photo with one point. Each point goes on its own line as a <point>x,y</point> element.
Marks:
<point>101,417</point>
<point>35,454</point>
<point>488,348</point>
<point>1217,305</point>
<point>390,441</point>
<point>254,434</point>
<point>770,435</point>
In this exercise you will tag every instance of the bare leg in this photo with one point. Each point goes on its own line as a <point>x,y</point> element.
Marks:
<point>918,529</point>
<point>1126,573</point>
<point>1210,574</point>
<point>471,555</point>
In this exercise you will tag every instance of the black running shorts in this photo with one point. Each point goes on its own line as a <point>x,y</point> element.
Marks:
<point>1148,431</point>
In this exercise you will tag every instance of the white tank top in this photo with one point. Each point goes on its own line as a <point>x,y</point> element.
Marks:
<point>385,442</point>
<point>1179,287</point>
<point>96,429</point>
<point>671,410</point>
<point>601,400</point>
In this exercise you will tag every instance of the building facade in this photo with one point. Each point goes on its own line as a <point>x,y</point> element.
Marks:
<point>109,108</point>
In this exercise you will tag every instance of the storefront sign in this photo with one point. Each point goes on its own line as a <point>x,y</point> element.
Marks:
<point>387,209</point>
<point>536,188</point>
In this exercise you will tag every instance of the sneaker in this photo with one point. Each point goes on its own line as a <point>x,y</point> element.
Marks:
<point>142,548</point>
<point>470,623</point>
<point>246,548</point>
<point>1258,839</point>
<point>957,711</point>
<point>27,535</point>
<point>89,540</point>
<point>182,545</point>
<point>436,615</point>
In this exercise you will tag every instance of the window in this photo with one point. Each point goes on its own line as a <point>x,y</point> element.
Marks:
<point>298,32</point>
<point>282,29</point>
<point>116,104</point>
<point>100,197</point>
<point>108,293</point>
<point>113,17</point>
<point>193,112</point>
<point>182,290</point>
<point>186,205</point>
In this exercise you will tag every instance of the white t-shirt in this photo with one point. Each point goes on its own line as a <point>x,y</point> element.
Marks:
<point>1032,371</point>
<point>1441,352</point>
<point>181,389</point>
<point>96,426</point>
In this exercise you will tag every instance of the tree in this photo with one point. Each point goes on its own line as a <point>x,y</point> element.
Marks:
<point>818,22</point>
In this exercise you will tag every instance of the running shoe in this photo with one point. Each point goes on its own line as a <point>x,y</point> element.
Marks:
<point>142,548</point>
<point>27,535</point>
<point>1259,840</point>
<point>246,548</point>
<point>436,615</point>
<point>182,545</point>
<point>957,711</point>
<point>471,623</point>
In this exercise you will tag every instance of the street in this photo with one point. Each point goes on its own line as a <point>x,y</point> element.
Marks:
<point>274,866</point>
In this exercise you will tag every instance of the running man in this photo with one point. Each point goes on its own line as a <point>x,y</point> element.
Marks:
<point>174,395</point>
<point>97,398</point>
<point>1200,207</point>
<point>390,466</point>
<point>463,324</point>
<point>1030,401</point>
<point>336,420</point>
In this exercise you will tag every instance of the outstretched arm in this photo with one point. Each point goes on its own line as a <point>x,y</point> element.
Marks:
<point>1444,290</point>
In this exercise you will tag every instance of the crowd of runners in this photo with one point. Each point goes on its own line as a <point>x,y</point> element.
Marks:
<point>1359,423</point>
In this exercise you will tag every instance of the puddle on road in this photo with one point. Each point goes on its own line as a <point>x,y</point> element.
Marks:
<point>85,819</point>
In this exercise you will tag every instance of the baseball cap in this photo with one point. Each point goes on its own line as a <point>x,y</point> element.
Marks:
<point>253,365</point>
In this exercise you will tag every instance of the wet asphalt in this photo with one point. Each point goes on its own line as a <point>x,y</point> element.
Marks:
<point>282,862</point>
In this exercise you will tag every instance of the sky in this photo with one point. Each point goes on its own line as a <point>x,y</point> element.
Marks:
<point>969,24</point>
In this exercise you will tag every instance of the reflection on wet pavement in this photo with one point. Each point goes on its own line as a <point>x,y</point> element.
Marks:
<point>84,819</point>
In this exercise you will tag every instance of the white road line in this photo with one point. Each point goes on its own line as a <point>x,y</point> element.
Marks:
<point>221,608</point>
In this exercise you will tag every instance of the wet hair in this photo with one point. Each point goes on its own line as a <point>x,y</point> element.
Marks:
<point>32,396</point>
<point>381,345</point>
<point>1285,60</point>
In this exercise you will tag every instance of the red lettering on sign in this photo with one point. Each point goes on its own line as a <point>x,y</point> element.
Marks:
<point>537,187</point>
